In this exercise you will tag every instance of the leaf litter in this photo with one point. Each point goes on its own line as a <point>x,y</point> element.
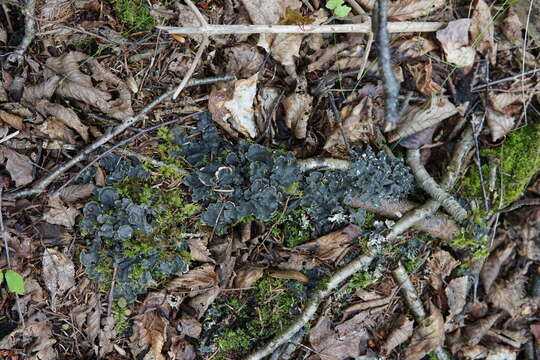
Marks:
<point>104,71</point>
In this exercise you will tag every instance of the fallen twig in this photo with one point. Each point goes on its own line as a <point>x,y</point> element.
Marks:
<point>429,185</point>
<point>413,302</point>
<point>42,184</point>
<point>357,264</point>
<point>15,59</point>
<point>381,29</point>
<point>363,28</point>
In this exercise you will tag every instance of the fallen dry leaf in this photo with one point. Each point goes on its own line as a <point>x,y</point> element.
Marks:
<point>181,349</point>
<point>455,42</point>
<point>247,277</point>
<point>189,326</point>
<point>240,107</point>
<point>509,294</point>
<point>439,266</point>
<point>333,246</point>
<point>297,108</point>
<point>200,303</point>
<point>428,336</point>
<point>73,193</point>
<point>410,9</point>
<point>422,76</point>
<point>12,120</point>
<point>499,124</point>
<point>243,60</point>
<point>195,280</point>
<point>402,331</point>
<point>511,28</point>
<point>198,250</point>
<point>416,47</point>
<point>483,31</point>
<point>492,266</point>
<point>58,273</point>
<point>288,274</point>
<point>475,332</point>
<point>19,166</point>
<point>421,117</point>
<point>346,340</point>
<point>149,330</point>
<point>57,130</point>
<point>456,295</point>
<point>60,214</point>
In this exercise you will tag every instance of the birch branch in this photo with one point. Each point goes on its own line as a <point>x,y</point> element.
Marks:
<point>363,28</point>
<point>15,59</point>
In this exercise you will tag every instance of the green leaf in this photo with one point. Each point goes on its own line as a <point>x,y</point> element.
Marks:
<point>342,11</point>
<point>333,4</point>
<point>15,282</point>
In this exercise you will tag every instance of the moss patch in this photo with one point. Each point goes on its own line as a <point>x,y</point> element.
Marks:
<point>134,14</point>
<point>519,157</point>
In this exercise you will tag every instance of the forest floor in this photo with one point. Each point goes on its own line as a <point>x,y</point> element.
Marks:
<point>299,195</point>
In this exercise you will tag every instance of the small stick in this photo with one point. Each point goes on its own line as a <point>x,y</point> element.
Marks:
<point>111,291</point>
<point>338,121</point>
<point>413,302</point>
<point>391,84</point>
<point>313,303</point>
<point>15,59</point>
<point>42,184</point>
<point>510,78</point>
<point>478,161</point>
<point>363,28</point>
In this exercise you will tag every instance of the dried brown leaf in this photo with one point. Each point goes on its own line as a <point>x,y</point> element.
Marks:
<point>416,47</point>
<point>511,28</point>
<point>149,330</point>
<point>423,78</point>
<point>195,280</point>
<point>73,193</point>
<point>509,294</point>
<point>410,9</point>
<point>288,274</point>
<point>56,130</point>
<point>198,250</point>
<point>242,60</point>
<point>181,349</point>
<point>420,117</point>
<point>106,336</point>
<point>333,246</point>
<point>297,112</point>
<point>326,56</point>
<point>189,326</point>
<point>60,214</point>
<point>58,273</point>
<point>12,120</point>
<point>200,303</point>
<point>346,340</point>
<point>247,277</point>
<point>492,266</point>
<point>428,336</point>
<point>439,266</point>
<point>357,127</point>
<point>456,295</point>
<point>36,338</point>
<point>476,331</point>
<point>19,167</point>
<point>499,124</point>
<point>483,31</point>
<point>402,331</point>
<point>455,42</point>
<point>64,115</point>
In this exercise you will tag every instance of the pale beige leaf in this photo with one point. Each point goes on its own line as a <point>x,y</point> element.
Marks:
<point>149,330</point>
<point>181,349</point>
<point>73,193</point>
<point>428,336</point>
<point>63,114</point>
<point>12,120</point>
<point>456,295</point>
<point>56,130</point>
<point>19,166</point>
<point>198,250</point>
<point>195,280</point>
<point>268,11</point>
<point>247,277</point>
<point>511,28</point>
<point>416,46</point>
<point>242,60</point>
<point>499,124</point>
<point>58,273</point>
<point>286,48</point>
<point>439,266</point>
<point>288,274</point>
<point>492,265</point>
<point>297,112</point>
<point>410,9</point>
<point>402,331</point>
<point>476,331</point>
<point>455,42</point>
<point>241,107</point>
<point>333,246</point>
<point>483,31</point>
<point>60,214</point>
<point>423,116</point>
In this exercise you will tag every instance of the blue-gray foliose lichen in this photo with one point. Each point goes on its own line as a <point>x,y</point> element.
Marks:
<point>234,182</point>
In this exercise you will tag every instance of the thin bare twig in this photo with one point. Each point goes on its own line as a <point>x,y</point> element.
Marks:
<point>15,59</point>
<point>361,262</point>
<point>414,304</point>
<point>429,185</point>
<point>337,117</point>
<point>391,84</point>
<point>42,184</point>
<point>478,161</point>
<point>363,28</point>
<point>510,78</point>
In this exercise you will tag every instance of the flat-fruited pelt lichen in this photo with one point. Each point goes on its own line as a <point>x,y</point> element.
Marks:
<point>238,182</point>
<point>131,233</point>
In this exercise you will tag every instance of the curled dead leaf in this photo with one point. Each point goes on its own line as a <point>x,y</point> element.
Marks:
<point>440,265</point>
<point>483,31</point>
<point>297,112</point>
<point>247,277</point>
<point>288,274</point>
<point>455,42</point>
<point>19,166</point>
<point>73,193</point>
<point>402,331</point>
<point>492,266</point>
<point>58,273</point>
<point>60,214</point>
<point>428,336</point>
<point>333,246</point>
<point>195,280</point>
<point>456,295</point>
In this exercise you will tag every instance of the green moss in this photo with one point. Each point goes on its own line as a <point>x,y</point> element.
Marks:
<point>121,315</point>
<point>519,157</point>
<point>360,280</point>
<point>134,14</point>
<point>411,265</point>
<point>256,316</point>
<point>293,228</point>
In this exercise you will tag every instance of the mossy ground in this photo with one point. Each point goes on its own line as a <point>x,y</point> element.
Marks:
<point>133,14</point>
<point>246,321</point>
<point>519,159</point>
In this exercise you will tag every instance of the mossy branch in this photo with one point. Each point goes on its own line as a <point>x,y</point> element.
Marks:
<point>436,191</point>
